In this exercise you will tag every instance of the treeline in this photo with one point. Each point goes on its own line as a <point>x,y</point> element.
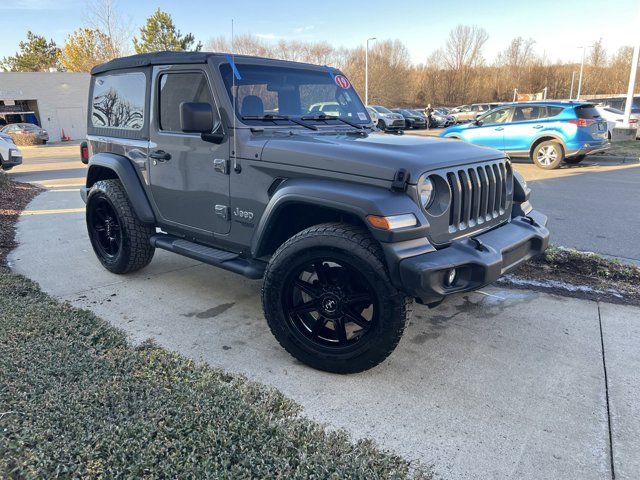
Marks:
<point>456,73</point>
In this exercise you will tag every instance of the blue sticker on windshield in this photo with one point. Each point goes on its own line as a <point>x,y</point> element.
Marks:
<point>233,66</point>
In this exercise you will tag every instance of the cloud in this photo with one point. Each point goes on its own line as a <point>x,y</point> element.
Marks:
<point>306,28</point>
<point>268,36</point>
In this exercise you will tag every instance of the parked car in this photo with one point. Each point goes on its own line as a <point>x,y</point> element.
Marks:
<point>26,128</point>
<point>411,119</point>
<point>375,118</point>
<point>10,154</point>
<point>468,113</point>
<point>618,102</point>
<point>328,108</point>
<point>345,225</point>
<point>547,132</point>
<point>387,120</point>
<point>442,117</point>
<point>615,119</point>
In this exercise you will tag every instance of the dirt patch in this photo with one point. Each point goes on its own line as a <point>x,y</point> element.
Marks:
<point>625,149</point>
<point>578,274</point>
<point>13,198</point>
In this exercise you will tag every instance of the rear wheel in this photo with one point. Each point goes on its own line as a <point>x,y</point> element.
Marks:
<point>575,160</point>
<point>548,155</point>
<point>329,302</point>
<point>120,241</point>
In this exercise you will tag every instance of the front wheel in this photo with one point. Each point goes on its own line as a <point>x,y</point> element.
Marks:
<point>329,301</point>
<point>548,155</point>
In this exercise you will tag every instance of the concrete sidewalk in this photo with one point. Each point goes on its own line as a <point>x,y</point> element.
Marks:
<point>497,384</point>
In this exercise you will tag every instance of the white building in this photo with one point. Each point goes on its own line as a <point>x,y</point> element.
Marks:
<point>57,101</point>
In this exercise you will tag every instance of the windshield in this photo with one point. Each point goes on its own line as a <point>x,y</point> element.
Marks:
<point>266,90</point>
<point>381,109</point>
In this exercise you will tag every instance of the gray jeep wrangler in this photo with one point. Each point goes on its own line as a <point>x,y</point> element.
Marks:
<point>228,160</point>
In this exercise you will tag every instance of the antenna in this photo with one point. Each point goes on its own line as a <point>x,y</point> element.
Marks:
<point>236,167</point>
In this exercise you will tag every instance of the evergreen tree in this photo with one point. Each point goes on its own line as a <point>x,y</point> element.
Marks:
<point>160,33</point>
<point>34,55</point>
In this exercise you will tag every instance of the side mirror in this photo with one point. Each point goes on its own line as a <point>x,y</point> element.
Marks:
<point>196,117</point>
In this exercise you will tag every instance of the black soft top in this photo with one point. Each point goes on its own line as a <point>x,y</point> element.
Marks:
<point>172,58</point>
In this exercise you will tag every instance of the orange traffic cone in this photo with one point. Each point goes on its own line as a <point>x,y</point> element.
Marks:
<point>63,137</point>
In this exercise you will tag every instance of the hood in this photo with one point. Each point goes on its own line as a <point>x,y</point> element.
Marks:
<point>377,155</point>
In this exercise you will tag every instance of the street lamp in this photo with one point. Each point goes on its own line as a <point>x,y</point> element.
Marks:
<point>584,50</point>
<point>366,72</point>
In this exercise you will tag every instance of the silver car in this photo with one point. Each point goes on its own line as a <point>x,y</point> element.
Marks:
<point>25,128</point>
<point>388,120</point>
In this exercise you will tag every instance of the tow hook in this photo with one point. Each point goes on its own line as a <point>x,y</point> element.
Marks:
<point>478,244</point>
<point>531,221</point>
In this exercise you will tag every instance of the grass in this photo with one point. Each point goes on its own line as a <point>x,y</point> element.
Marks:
<point>629,148</point>
<point>77,400</point>
<point>609,279</point>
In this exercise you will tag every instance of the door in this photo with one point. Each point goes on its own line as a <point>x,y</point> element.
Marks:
<point>189,177</point>
<point>72,121</point>
<point>489,130</point>
<point>525,126</point>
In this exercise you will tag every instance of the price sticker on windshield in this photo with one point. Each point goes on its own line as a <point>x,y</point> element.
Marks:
<point>342,81</point>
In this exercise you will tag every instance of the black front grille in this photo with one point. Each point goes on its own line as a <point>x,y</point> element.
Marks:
<point>479,194</point>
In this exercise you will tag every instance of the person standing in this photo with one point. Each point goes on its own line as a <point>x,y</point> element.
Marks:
<point>429,111</point>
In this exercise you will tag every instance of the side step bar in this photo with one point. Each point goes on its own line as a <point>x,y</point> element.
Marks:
<point>219,258</point>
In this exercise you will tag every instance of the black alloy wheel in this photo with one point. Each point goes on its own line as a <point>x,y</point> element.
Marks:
<point>105,228</point>
<point>330,303</point>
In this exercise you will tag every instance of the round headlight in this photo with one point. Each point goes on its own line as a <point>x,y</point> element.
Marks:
<point>425,192</point>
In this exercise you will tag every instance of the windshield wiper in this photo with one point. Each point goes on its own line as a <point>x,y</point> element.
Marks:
<point>332,117</point>
<point>272,118</point>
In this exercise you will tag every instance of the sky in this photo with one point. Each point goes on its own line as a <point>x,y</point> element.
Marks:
<point>558,27</point>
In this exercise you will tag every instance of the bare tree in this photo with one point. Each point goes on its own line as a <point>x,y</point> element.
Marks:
<point>105,17</point>
<point>462,53</point>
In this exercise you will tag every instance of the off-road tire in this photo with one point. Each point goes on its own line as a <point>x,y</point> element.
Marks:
<point>357,246</point>
<point>559,155</point>
<point>136,251</point>
<point>574,160</point>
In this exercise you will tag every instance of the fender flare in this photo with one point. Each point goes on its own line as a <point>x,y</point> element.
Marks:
<point>130,178</point>
<point>553,135</point>
<point>353,199</point>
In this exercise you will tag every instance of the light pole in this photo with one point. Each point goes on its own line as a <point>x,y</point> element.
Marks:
<point>573,78</point>
<point>366,72</point>
<point>584,50</point>
<point>632,83</point>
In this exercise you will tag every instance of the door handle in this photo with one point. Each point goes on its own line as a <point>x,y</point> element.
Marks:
<point>537,127</point>
<point>499,129</point>
<point>160,155</point>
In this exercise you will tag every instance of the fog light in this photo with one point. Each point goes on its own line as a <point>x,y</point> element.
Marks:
<point>450,277</point>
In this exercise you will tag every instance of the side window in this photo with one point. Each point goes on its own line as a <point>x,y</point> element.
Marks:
<point>176,88</point>
<point>118,101</point>
<point>497,116</point>
<point>530,112</point>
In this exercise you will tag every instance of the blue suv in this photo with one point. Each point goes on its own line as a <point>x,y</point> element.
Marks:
<point>546,132</point>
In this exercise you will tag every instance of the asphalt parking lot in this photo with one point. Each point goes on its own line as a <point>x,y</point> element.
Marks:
<point>495,384</point>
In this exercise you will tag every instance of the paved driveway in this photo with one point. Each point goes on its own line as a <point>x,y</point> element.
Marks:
<point>496,384</point>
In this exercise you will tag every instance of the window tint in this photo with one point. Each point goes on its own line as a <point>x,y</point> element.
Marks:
<point>587,111</point>
<point>118,101</point>
<point>497,116</point>
<point>176,88</point>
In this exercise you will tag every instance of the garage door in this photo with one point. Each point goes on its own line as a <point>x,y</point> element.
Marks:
<point>72,120</point>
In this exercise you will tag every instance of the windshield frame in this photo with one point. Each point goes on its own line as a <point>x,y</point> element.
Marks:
<point>226,71</point>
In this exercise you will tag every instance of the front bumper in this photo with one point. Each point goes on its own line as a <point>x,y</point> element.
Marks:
<point>478,261</point>
<point>15,158</point>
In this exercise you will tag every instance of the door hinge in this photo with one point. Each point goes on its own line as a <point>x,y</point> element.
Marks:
<point>221,165</point>
<point>400,180</point>
<point>222,211</point>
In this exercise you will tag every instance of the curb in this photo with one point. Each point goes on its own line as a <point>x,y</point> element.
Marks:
<point>614,159</point>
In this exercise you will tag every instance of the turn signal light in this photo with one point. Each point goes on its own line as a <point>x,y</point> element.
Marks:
<point>393,222</point>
